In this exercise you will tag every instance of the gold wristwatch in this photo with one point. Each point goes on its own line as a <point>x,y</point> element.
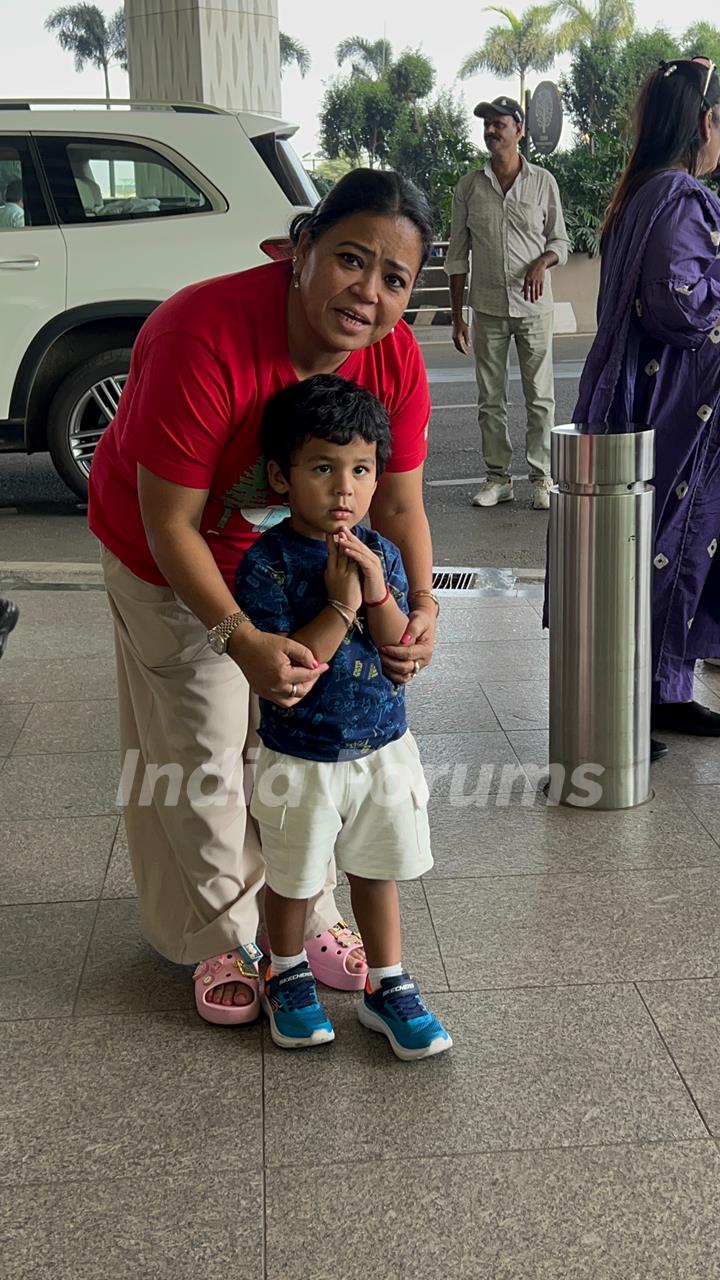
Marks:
<point>218,637</point>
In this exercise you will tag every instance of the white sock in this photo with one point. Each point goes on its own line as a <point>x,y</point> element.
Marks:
<point>389,971</point>
<point>280,964</point>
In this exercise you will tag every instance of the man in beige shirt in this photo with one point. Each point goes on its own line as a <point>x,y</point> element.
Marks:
<point>509,218</point>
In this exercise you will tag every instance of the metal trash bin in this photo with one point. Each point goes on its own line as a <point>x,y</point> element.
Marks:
<point>599,598</point>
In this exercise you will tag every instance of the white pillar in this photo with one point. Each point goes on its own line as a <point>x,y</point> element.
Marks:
<point>223,52</point>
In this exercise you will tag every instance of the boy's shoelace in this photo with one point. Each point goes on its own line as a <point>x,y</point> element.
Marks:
<point>298,994</point>
<point>407,1005</point>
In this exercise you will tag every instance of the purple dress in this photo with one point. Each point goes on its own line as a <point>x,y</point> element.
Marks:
<point>656,361</point>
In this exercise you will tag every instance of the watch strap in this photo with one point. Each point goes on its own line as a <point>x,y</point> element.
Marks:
<point>224,629</point>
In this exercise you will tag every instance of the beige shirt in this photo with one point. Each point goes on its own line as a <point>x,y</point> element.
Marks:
<point>504,234</point>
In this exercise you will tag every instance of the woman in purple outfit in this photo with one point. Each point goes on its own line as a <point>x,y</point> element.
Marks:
<point>656,360</point>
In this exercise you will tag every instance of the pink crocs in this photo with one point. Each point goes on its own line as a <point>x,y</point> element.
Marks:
<point>241,966</point>
<point>328,954</point>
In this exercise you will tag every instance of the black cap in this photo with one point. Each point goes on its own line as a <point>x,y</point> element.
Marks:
<point>501,107</point>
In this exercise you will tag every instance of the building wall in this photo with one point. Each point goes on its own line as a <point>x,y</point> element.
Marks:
<point>226,54</point>
<point>577,283</point>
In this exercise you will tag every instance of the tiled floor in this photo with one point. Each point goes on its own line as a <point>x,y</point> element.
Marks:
<point>572,1132</point>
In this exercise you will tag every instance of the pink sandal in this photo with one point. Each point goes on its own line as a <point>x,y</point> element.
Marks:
<point>240,965</point>
<point>328,954</point>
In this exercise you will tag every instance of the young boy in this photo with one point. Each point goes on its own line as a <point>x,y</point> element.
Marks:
<point>338,772</point>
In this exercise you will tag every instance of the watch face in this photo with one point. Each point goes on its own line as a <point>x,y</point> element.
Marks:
<point>217,643</point>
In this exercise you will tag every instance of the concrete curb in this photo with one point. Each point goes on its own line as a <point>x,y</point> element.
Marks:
<point>34,575</point>
<point>29,573</point>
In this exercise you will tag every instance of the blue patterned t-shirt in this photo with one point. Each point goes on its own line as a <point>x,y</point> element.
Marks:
<point>353,709</point>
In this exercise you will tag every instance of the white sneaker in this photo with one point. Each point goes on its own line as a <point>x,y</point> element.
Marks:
<point>712,662</point>
<point>493,491</point>
<point>541,494</point>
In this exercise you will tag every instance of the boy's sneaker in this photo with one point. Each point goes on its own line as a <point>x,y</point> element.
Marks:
<point>297,1019</point>
<point>397,1011</point>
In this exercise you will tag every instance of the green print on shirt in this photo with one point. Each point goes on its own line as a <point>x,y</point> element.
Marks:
<point>251,490</point>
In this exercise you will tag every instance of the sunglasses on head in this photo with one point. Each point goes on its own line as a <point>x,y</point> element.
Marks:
<point>680,64</point>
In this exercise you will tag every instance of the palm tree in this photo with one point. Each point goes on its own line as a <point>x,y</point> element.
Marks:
<point>292,50</point>
<point>612,20</point>
<point>370,58</point>
<point>83,30</point>
<point>525,44</point>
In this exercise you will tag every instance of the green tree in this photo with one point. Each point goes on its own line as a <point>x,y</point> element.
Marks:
<point>701,39</point>
<point>292,50</point>
<point>586,180</point>
<point>369,59</point>
<point>359,111</point>
<point>356,117</point>
<point>527,43</point>
<point>327,172</point>
<point>83,30</point>
<point>639,57</point>
<point>412,77</point>
<point>604,80</point>
<point>612,20</point>
<point>591,89</point>
<point>600,91</point>
<point>432,145</point>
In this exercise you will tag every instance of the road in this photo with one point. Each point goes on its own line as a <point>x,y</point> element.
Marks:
<point>40,519</point>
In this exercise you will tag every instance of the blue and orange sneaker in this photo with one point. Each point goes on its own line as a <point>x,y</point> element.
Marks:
<point>397,1011</point>
<point>297,1019</point>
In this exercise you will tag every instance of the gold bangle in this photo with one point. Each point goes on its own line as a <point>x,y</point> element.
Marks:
<point>344,610</point>
<point>430,595</point>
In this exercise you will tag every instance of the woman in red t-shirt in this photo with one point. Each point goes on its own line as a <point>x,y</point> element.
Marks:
<point>178,493</point>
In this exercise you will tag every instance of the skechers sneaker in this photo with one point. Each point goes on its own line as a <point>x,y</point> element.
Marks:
<point>297,1019</point>
<point>397,1011</point>
<point>493,491</point>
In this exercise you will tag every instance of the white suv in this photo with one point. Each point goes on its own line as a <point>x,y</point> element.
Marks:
<point>103,214</point>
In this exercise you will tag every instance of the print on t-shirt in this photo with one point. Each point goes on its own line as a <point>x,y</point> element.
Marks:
<point>252,496</point>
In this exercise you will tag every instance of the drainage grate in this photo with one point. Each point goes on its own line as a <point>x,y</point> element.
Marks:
<point>455,581</point>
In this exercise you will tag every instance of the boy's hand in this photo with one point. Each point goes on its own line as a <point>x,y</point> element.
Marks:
<point>371,570</point>
<point>342,576</point>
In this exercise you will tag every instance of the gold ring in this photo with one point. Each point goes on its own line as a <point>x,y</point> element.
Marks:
<point>416,667</point>
<point>293,691</point>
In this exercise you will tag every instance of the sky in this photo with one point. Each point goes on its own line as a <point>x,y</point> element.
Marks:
<point>33,62</point>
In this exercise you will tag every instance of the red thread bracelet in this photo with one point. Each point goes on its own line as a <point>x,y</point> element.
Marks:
<point>375,604</point>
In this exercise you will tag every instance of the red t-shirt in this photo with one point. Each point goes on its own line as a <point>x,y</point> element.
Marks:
<point>202,368</point>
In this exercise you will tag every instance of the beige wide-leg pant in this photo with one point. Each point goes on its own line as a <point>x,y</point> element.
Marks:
<point>186,730</point>
<point>491,344</point>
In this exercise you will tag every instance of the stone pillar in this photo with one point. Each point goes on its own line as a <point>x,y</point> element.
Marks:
<point>223,52</point>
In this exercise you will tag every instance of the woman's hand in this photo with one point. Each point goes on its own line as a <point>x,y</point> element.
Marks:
<point>276,667</point>
<point>369,566</point>
<point>342,576</point>
<point>401,662</point>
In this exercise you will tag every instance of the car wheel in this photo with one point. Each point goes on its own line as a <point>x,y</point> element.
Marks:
<point>82,407</point>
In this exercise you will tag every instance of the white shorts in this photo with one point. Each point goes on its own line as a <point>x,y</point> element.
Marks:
<point>371,813</point>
